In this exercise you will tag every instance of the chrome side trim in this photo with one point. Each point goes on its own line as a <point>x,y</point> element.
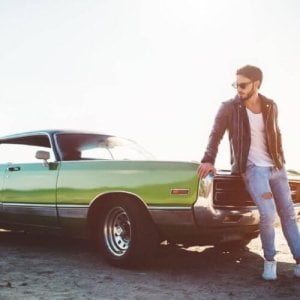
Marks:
<point>49,210</point>
<point>72,205</point>
<point>73,211</point>
<point>46,210</point>
<point>150,207</point>
<point>28,204</point>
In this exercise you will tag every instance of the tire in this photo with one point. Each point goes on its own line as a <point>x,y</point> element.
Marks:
<point>126,234</point>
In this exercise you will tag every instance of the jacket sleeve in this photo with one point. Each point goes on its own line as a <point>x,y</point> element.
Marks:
<point>216,134</point>
<point>278,132</point>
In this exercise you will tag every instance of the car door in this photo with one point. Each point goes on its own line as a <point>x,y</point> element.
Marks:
<point>29,184</point>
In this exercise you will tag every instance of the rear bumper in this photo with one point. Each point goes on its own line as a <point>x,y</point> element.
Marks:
<point>201,226</point>
<point>204,216</point>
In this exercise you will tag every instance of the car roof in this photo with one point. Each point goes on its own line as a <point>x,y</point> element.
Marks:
<point>49,132</point>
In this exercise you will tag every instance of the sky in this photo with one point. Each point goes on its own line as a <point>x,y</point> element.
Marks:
<point>153,71</point>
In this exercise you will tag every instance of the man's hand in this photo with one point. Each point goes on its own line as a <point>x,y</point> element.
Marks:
<point>204,169</point>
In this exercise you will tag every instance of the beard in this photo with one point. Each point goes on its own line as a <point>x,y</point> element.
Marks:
<point>248,95</point>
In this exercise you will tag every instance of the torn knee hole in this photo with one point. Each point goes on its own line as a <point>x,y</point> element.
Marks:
<point>267,196</point>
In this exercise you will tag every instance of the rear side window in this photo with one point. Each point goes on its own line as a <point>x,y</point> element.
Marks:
<point>92,146</point>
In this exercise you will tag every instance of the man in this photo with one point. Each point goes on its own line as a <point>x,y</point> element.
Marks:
<point>256,154</point>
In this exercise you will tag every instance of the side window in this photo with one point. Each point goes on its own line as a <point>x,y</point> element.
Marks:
<point>20,153</point>
<point>96,153</point>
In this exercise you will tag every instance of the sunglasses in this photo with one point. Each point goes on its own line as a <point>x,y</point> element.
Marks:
<point>241,85</point>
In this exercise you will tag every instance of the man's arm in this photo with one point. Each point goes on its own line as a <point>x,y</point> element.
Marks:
<point>217,133</point>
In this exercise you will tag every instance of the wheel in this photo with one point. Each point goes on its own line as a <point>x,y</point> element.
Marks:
<point>233,245</point>
<point>126,234</point>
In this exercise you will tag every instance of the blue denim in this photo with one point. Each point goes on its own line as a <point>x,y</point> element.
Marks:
<point>270,191</point>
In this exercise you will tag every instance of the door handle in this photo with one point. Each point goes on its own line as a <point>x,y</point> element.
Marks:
<point>13,169</point>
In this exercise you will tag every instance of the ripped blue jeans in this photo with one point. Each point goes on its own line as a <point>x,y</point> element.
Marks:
<point>270,191</point>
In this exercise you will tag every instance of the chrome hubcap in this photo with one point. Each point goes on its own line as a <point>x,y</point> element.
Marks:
<point>117,231</point>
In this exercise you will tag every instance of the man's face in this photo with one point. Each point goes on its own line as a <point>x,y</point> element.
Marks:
<point>245,87</point>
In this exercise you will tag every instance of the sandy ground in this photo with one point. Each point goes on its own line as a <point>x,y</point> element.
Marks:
<point>44,267</point>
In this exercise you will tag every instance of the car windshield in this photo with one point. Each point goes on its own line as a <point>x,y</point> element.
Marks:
<point>74,146</point>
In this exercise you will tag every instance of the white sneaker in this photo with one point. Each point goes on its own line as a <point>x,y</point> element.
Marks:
<point>270,270</point>
<point>297,270</point>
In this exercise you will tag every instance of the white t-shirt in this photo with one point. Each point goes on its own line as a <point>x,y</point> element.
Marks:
<point>258,153</point>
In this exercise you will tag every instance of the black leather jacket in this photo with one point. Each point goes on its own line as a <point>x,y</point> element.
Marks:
<point>232,116</point>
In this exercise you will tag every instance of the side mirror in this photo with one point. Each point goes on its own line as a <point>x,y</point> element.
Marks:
<point>44,155</point>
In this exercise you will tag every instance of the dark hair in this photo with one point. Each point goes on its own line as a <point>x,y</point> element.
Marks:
<point>251,72</point>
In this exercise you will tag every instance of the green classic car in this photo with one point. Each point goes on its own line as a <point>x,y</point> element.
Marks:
<point>109,189</point>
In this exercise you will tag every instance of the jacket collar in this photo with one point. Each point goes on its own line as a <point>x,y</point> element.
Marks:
<point>265,101</point>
